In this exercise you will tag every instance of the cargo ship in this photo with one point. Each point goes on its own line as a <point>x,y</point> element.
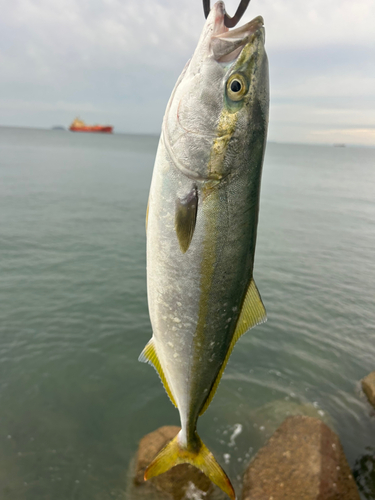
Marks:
<point>80,126</point>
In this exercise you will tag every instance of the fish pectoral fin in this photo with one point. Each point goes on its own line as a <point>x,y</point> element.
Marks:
<point>185,218</point>
<point>149,355</point>
<point>252,313</point>
<point>201,457</point>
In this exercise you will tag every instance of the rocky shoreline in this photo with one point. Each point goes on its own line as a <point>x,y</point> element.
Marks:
<point>302,460</point>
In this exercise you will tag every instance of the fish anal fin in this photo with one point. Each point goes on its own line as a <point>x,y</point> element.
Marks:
<point>149,355</point>
<point>252,313</point>
<point>185,218</point>
<point>147,209</point>
<point>199,456</point>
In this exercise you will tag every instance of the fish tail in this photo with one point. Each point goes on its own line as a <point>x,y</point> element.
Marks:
<point>199,456</point>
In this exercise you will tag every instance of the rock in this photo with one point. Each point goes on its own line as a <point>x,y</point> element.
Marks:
<point>368,386</point>
<point>303,460</point>
<point>182,482</point>
<point>271,415</point>
<point>364,473</point>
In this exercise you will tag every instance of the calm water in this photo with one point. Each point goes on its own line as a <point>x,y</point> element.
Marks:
<point>74,401</point>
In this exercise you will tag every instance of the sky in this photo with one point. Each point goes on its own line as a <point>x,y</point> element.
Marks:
<point>116,62</point>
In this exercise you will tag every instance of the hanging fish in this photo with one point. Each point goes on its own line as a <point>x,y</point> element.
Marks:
<point>201,227</point>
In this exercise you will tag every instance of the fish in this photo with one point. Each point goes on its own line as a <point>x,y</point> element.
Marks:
<point>201,226</point>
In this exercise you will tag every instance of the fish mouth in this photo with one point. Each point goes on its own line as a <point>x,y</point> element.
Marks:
<point>226,45</point>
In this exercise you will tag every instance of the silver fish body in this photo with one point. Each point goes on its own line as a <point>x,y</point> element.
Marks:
<point>202,224</point>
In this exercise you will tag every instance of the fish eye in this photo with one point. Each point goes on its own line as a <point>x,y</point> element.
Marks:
<point>236,87</point>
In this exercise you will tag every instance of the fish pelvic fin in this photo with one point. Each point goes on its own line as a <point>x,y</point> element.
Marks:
<point>149,355</point>
<point>252,313</point>
<point>199,456</point>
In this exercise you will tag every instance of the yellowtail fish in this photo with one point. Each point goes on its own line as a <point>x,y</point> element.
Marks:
<point>201,227</point>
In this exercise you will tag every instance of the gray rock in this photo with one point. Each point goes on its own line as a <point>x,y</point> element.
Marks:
<point>364,473</point>
<point>271,415</point>
<point>183,482</point>
<point>303,460</point>
<point>368,386</point>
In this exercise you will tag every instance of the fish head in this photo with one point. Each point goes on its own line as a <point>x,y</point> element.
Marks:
<point>220,99</point>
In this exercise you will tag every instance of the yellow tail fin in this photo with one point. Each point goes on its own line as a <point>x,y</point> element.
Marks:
<point>201,457</point>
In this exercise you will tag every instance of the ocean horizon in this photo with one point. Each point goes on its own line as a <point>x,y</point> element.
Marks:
<point>63,128</point>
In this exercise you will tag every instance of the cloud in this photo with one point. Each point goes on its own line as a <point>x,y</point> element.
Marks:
<point>20,105</point>
<point>116,60</point>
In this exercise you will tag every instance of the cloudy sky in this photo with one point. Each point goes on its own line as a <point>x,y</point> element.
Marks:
<point>116,61</point>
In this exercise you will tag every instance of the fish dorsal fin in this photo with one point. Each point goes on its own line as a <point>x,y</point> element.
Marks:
<point>148,355</point>
<point>252,313</point>
<point>185,218</point>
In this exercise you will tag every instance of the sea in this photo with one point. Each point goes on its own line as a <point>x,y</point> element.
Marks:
<point>75,401</point>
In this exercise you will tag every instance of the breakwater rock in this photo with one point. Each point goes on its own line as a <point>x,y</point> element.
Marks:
<point>303,460</point>
<point>368,386</point>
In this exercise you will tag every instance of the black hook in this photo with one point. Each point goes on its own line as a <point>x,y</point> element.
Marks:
<point>230,22</point>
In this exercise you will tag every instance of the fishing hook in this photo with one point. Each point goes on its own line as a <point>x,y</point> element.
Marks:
<point>230,22</point>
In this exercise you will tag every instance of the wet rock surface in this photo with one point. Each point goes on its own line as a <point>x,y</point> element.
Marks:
<point>368,386</point>
<point>364,473</point>
<point>271,415</point>
<point>182,482</point>
<point>303,460</point>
